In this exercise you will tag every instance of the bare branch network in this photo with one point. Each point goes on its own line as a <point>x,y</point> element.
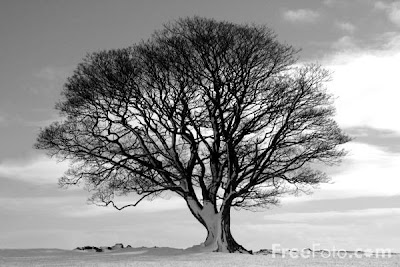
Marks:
<point>215,112</point>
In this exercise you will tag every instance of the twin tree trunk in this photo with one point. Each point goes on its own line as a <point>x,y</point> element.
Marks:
<point>217,224</point>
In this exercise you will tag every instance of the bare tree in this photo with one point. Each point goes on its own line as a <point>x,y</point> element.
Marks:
<point>215,112</point>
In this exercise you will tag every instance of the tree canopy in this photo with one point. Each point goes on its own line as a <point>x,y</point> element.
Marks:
<point>216,112</point>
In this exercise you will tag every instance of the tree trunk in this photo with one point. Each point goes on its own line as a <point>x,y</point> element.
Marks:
<point>217,224</point>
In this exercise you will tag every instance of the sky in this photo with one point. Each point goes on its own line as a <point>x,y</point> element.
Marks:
<point>42,41</point>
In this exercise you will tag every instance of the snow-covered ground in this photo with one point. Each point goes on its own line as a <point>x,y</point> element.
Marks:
<point>137,257</point>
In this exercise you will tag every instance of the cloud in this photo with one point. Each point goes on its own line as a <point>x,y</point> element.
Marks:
<point>41,170</point>
<point>329,2</point>
<point>385,139</point>
<point>33,204</point>
<point>157,205</point>
<point>51,73</point>
<point>345,26</point>
<point>369,170</point>
<point>54,117</point>
<point>301,15</point>
<point>366,171</point>
<point>365,83</point>
<point>345,43</point>
<point>330,217</point>
<point>392,10</point>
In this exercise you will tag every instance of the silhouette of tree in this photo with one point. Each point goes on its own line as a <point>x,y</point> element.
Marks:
<point>215,112</point>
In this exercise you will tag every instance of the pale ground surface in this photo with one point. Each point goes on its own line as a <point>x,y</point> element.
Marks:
<point>138,257</point>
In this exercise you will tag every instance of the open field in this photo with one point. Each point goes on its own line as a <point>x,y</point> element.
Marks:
<point>138,257</point>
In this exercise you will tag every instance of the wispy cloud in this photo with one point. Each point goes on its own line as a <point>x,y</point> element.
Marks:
<point>40,170</point>
<point>49,202</point>
<point>329,2</point>
<point>301,15</point>
<point>345,26</point>
<point>54,117</point>
<point>385,139</point>
<point>345,43</point>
